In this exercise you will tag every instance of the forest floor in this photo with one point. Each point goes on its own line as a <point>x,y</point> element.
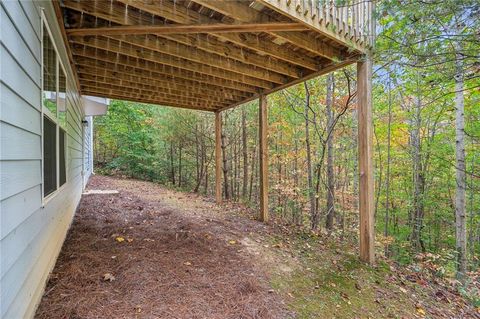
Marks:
<point>151,252</point>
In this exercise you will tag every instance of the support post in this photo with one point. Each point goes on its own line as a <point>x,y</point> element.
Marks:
<point>218,157</point>
<point>365,160</point>
<point>263,136</point>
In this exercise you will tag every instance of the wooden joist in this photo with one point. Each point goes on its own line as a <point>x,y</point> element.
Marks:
<point>243,13</point>
<point>92,80</point>
<point>135,51</point>
<point>190,53</point>
<point>112,89</point>
<point>175,84</point>
<point>117,14</point>
<point>147,100</point>
<point>146,97</point>
<point>186,29</point>
<point>162,95</point>
<point>100,59</point>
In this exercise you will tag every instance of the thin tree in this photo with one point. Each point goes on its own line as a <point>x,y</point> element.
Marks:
<point>330,213</point>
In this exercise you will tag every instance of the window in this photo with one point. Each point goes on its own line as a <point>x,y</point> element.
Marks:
<point>49,74</point>
<point>63,171</point>
<point>54,108</point>
<point>49,156</point>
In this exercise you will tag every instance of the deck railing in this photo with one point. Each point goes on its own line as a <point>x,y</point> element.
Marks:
<point>349,21</point>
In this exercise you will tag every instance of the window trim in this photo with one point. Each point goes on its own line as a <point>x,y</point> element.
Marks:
<point>45,112</point>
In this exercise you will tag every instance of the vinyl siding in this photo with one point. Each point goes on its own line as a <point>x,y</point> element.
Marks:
<point>31,235</point>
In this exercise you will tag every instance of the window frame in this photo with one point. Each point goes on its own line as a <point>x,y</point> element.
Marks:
<point>45,112</point>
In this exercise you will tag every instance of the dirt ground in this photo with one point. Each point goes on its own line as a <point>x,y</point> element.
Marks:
<point>149,252</point>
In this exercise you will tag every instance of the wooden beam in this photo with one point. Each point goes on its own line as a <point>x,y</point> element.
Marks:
<point>135,51</point>
<point>365,160</point>
<point>99,59</point>
<point>241,12</point>
<point>218,157</point>
<point>113,12</point>
<point>327,69</point>
<point>297,13</point>
<point>263,139</point>
<point>185,29</point>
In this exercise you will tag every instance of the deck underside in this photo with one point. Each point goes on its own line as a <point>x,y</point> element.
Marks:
<point>203,54</point>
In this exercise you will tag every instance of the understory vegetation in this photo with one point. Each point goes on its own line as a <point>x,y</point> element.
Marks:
<point>426,84</point>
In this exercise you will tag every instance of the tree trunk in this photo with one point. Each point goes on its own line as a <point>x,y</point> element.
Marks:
<point>180,166</point>
<point>460,203</point>
<point>330,173</point>
<point>311,193</point>
<point>387,186</point>
<point>225,166</point>
<point>418,176</point>
<point>245,154</point>
<point>252,174</point>
<point>172,167</point>
<point>297,213</point>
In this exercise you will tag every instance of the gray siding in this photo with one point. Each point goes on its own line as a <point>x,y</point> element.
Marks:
<point>31,235</point>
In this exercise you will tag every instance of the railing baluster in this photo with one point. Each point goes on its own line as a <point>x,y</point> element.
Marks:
<point>319,11</point>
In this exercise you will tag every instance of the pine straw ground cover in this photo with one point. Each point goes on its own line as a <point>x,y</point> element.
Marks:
<point>150,252</point>
<point>153,253</point>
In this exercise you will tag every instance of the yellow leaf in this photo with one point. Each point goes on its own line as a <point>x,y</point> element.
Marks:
<point>232,242</point>
<point>120,239</point>
<point>421,311</point>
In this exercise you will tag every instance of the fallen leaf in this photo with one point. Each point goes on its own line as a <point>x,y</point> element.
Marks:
<point>129,240</point>
<point>108,277</point>
<point>120,239</point>
<point>421,311</point>
<point>187,263</point>
<point>232,242</point>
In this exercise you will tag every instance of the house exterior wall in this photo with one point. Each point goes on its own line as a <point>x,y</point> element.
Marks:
<point>32,230</point>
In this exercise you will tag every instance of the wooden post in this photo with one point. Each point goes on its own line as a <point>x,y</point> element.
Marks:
<point>218,157</point>
<point>263,136</point>
<point>365,160</point>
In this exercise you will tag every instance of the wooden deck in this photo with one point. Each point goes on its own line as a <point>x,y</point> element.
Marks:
<point>212,55</point>
<point>208,54</point>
